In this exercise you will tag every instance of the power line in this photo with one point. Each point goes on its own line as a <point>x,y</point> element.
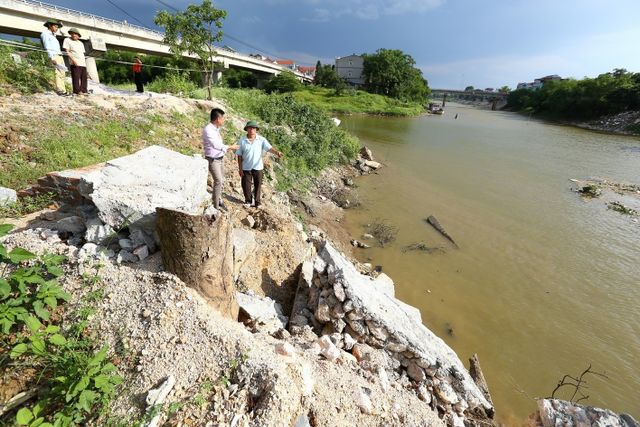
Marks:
<point>225,34</point>
<point>126,13</point>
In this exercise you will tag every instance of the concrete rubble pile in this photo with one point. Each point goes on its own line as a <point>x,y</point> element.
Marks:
<point>116,202</point>
<point>365,163</point>
<point>554,412</point>
<point>350,308</point>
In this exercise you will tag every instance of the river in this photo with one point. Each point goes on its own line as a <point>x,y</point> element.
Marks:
<point>544,283</point>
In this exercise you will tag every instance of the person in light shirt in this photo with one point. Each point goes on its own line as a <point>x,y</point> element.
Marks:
<point>250,150</point>
<point>214,151</point>
<point>52,46</point>
<point>75,50</point>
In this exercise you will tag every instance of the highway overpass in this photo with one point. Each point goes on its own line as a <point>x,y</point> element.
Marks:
<point>26,17</point>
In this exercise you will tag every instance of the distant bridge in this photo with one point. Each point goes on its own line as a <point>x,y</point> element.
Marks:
<point>26,17</point>
<point>497,99</point>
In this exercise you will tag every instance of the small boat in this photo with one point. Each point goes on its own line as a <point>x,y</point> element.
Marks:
<point>436,108</point>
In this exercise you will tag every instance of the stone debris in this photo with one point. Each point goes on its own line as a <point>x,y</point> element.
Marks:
<point>249,221</point>
<point>98,232</point>
<point>363,401</point>
<point>285,349</point>
<point>261,313</point>
<point>7,196</point>
<point>142,252</point>
<point>343,303</point>
<point>71,224</point>
<point>157,397</point>
<point>358,244</point>
<point>554,412</point>
<point>244,245</point>
<point>126,256</point>
<point>366,153</point>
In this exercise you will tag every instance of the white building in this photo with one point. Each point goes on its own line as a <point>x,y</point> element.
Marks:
<point>350,69</point>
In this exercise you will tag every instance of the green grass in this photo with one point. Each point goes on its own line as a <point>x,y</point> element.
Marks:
<point>57,147</point>
<point>357,101</point>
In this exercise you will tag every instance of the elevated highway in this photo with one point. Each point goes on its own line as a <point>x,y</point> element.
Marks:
<point>26,17</point>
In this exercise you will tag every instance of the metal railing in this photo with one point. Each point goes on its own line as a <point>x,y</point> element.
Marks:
<point>59,9</point>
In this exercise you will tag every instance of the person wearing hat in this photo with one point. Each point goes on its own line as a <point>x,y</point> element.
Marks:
<point>52,46</point>
<point>75,50</point>
<point>214,151</point>
<point>250,151</point>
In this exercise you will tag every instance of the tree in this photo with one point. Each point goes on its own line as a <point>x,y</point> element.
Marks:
<point>194,31</point>
<point>392,72</point>
<point>504,89</point>
<point>282,83</point>
<point>469,89</point>
<point>316,77</point>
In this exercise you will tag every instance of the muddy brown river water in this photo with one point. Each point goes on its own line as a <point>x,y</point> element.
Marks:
<point>544,283</point>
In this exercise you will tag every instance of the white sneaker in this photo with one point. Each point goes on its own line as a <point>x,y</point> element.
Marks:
<point>247,205</point>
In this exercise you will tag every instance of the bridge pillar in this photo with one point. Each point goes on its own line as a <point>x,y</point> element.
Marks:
<point>92,69</point>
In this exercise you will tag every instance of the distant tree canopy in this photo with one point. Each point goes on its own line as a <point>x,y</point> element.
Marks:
<point>504,89</point>
<point>392,72</point>
<point>115,73</point>
<point>234,78</point>
<point>469,89</point>
<point>326,76</point>
<point>589,98</point>
<point>283,83</point>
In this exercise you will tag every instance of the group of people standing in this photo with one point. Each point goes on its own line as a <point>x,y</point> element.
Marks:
<point>249,149</point>
<point>74,49</point>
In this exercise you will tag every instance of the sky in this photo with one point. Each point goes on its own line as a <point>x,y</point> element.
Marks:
<point>456,43</point>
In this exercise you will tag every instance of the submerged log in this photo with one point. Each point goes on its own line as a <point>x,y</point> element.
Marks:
<point>436,224</point>
<point>478,377</point>
<point>200,252</point>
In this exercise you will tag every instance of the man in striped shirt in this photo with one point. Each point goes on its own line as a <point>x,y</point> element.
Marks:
<point>52,46</point>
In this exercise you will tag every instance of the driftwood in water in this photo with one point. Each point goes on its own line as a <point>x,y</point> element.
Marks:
<point>478,377</point>
<point>420,246</point>
<point>432,220</point>
<point>200,252</point>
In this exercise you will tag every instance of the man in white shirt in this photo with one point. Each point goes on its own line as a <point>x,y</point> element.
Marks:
<point>75,50</point>
<point>52,46</point>
<point>214,151</point>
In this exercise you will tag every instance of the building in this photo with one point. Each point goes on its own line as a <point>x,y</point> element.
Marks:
<point>307,71</point>
<point>350,69</point>
<point>538,83</point>
<point>286,63</point>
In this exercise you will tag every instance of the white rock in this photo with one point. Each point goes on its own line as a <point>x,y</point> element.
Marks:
<point>262,310</point>
<point>285,349</point>
<point>141,252</point>
<point>363,401</point>
<point>308,382</point>
<point>328,349</point>
<point>244,245</point>
<point>249,221</point>
<point>385,384</point>
<point>348,341</point>
<point>49,235</point>
<point>372,164</point>
<point>7,196</point>
<point>97,232</point>
<point>126,256</point>
<point>88,250</point>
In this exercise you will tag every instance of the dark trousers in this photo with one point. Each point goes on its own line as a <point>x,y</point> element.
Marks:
<point>249,177</point>
<point>78,79</point>
<point>137,77</point>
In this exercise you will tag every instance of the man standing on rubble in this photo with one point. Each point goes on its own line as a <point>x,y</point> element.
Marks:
<point>214,151</point>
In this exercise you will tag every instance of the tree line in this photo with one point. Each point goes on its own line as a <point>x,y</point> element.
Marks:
<point>584,99</point>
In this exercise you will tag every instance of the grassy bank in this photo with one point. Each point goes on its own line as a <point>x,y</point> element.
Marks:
<point>304,133</point>
<point>357,101</point>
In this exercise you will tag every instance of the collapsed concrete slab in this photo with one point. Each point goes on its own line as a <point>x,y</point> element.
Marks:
<point>554,412</point>
<point>127,190</point>
<point>342,302</point>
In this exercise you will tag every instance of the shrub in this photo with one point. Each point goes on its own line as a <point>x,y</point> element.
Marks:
<point>283,83</point>
<point>32,74</point>
<point>177,83</point>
